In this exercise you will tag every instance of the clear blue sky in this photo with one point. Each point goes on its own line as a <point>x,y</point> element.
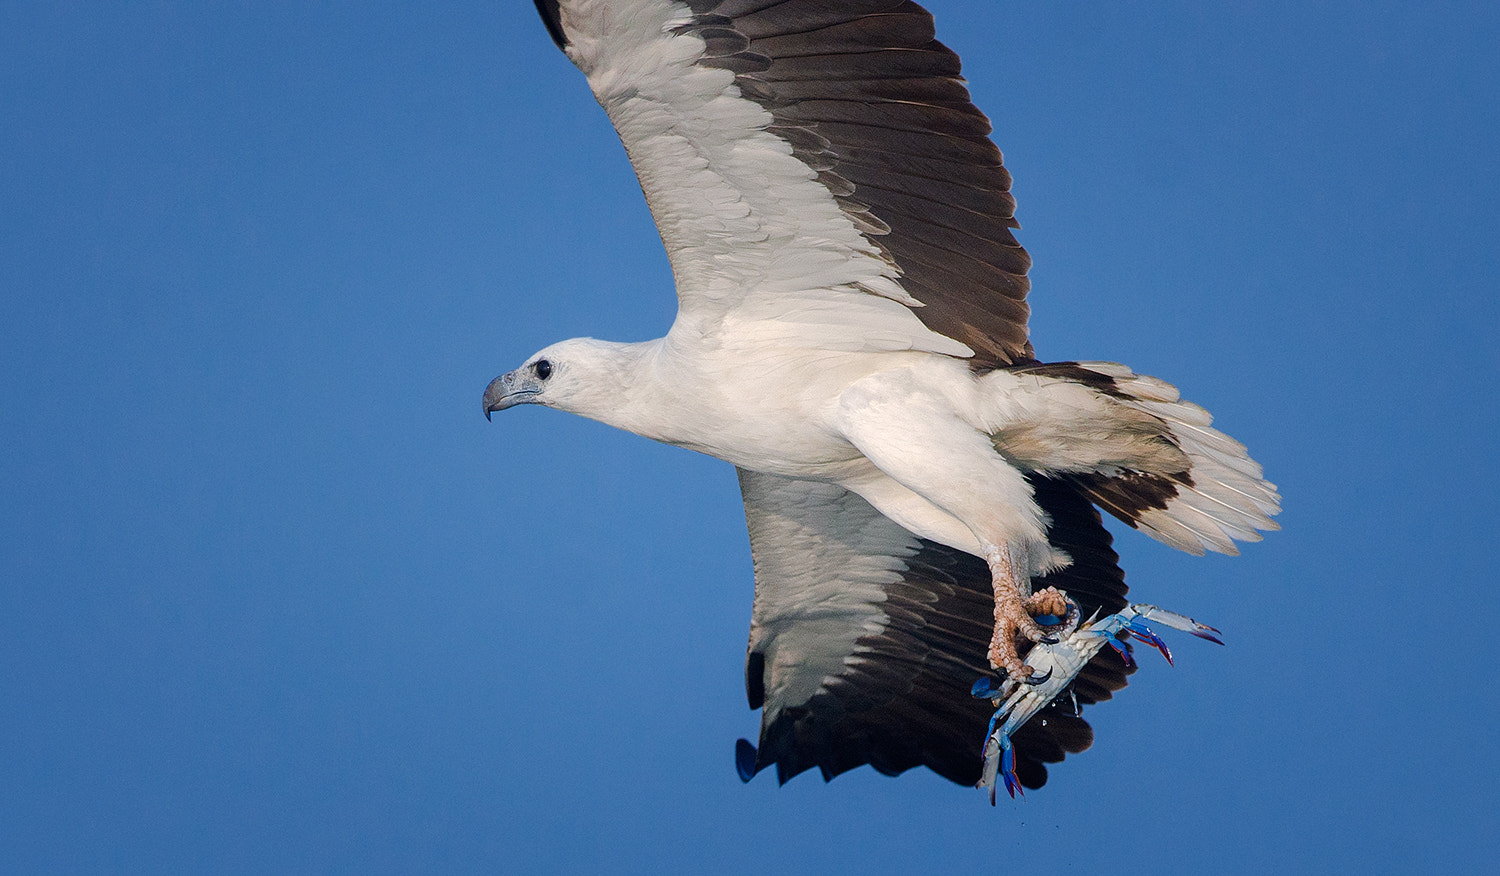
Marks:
<point>275,597</point>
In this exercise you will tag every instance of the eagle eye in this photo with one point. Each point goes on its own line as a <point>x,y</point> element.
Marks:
<point>543,369</point>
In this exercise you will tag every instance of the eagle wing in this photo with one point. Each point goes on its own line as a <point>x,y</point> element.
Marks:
<point>814,167</point>
<point>865,639</point>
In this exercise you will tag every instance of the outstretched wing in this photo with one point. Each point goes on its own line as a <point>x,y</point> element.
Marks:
<point>866,639</point>
<point>814,163</point>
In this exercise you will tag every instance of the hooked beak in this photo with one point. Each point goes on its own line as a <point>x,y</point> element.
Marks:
<point>508,390</point>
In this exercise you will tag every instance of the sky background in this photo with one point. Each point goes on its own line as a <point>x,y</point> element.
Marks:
<point>275,597</point>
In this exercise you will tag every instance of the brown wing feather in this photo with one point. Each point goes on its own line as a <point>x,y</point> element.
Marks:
<point>867,97</point>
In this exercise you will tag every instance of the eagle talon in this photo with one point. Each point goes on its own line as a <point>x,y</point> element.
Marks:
<point>1035,679</point>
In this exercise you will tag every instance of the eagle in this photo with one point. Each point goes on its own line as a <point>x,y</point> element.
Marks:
<point>922,492</point>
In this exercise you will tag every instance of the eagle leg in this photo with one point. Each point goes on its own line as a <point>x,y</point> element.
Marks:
<point>1016,610</point>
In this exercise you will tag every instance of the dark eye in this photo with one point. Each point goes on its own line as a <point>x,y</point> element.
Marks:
<point>543,368</point>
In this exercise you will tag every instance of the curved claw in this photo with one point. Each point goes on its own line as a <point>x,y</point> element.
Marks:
<point>1120,647</point>
<point>1008,772</point>
<point>1038,679</point>
<point>1208,633</point>
<point>1144,633</point>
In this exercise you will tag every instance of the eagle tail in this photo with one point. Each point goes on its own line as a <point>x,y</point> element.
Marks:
<point>1160,467</point>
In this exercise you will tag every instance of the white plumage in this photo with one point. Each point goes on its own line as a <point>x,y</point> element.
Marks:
<point>851,336</point>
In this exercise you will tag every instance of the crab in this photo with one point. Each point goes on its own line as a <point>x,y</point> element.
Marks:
<point>1056,661</point>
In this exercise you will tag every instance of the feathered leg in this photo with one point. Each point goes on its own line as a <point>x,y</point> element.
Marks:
<point>912,433</point>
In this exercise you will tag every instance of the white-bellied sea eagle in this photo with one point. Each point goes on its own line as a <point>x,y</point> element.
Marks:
<point>851,334</point>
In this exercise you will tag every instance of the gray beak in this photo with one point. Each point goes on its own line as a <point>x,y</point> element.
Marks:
<point>508,390</point>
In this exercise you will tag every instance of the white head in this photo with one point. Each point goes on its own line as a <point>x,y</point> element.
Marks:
<point>581,376</point>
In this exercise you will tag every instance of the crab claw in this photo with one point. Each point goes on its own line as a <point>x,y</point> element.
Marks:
<point>1122,649</point>
<point>1209,633</point>
<point>1008,772</point>
<point>1144,633</point>
<point>1177,621</point>
<point>1001,764</point>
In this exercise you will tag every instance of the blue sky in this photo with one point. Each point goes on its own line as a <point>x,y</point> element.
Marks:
<point>275,597</point>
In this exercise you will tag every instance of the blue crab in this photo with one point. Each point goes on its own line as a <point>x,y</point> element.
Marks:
<point>1056,661</point>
